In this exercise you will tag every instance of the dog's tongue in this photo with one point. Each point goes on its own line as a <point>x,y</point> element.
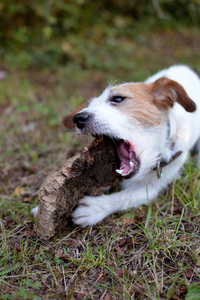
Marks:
<point>129,164</point>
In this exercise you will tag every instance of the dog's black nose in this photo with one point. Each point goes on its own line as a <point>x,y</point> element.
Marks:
<point>80,119</point>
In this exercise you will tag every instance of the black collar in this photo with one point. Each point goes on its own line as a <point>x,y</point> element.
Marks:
<point>162,163</point>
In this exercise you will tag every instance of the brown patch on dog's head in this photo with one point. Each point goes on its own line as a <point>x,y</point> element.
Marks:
<point>167,91</point>
<point>148,103</point>
<point>138,104</point>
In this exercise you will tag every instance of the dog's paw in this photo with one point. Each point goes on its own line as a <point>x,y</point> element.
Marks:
<point>34,211</point>
<point>90,211</point>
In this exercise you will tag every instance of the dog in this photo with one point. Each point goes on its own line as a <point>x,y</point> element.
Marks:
<point>154,126</point>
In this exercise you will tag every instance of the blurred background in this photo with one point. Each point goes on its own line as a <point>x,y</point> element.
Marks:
<point>97,34</point>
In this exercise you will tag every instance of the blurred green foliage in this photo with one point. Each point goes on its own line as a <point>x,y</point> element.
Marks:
<point>48,32</point>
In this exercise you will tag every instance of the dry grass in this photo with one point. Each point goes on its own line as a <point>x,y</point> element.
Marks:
<point>150,253</point>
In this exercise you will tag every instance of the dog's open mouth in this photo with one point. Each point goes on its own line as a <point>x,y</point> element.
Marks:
<point>129,163</point>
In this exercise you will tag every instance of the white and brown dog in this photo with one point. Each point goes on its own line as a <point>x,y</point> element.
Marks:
<point>154,124</point>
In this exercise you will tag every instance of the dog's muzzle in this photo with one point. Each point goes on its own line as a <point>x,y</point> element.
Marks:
<point>129,162</point>
<point>81,119</point>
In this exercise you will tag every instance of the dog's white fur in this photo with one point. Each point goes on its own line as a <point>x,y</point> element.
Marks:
<point>151,130</point>
<point>149,141</point>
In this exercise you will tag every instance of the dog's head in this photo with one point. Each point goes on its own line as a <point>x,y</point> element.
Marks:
<point>135,116</point>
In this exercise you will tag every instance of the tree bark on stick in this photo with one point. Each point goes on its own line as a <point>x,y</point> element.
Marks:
<point>87,173</point>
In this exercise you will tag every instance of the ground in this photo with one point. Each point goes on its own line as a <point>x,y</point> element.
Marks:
<point>149,253</point>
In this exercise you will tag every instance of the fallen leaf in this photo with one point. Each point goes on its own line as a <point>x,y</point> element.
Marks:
<point>31,233</point>
<point>174,297</point>
<point>119,250</point>
<point>18,192</point>
<point>183,290</point>
<point>122,242</point>
<point>127,222</point>
<point>100,277</point>
<point>17,245</point>
<point>189,273</point>
<point>183,238</point>
<point>107,297</point>
<point>81,295</point>
<point>120,273</point>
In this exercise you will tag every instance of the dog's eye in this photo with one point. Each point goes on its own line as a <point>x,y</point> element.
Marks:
<point>117,99</point>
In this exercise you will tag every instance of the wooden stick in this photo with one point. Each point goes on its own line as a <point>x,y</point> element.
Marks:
<point>87,173</point>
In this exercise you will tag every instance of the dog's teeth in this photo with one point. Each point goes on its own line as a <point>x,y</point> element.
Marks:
<point>131,164</point>
<point>119,171</point>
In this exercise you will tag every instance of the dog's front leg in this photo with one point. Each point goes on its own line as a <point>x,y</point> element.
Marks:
<point>94,209</point>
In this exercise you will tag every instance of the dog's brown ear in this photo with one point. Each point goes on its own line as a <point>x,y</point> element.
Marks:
<point>167,91</point>
<point>68,120</point>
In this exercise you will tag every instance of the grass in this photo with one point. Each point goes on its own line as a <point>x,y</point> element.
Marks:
<point>152,252</point>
